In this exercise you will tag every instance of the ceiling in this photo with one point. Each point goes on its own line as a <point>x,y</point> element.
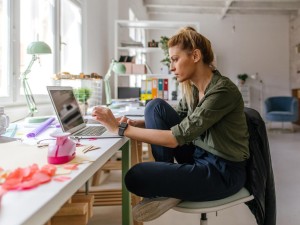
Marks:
<point>222,8</point>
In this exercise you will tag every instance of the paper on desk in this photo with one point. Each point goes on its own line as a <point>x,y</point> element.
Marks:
<point>17,154</point>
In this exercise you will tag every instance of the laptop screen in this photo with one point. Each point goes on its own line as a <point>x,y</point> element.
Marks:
<point>67,108</point>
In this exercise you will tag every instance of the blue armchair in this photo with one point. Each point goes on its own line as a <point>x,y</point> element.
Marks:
<point>281,109</point>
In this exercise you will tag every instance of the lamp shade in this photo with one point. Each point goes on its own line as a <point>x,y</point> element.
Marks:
<point>116,67</point>
<point>38,47</point>
<point>119,68</point>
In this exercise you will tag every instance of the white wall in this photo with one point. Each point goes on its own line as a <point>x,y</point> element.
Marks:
<point>258,44</point>
<point>95,36</point>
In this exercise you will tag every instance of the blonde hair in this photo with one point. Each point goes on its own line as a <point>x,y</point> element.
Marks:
<point>189,39</point>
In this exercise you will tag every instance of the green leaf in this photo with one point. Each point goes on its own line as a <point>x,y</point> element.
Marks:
<point>82,94</point>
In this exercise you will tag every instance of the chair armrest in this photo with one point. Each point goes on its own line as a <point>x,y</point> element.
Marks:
<point>294,106</point>
<point>268,106</point>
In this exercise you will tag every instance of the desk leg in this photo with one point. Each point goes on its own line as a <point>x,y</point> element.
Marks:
<point>126,202</point>
<point>136,157</point>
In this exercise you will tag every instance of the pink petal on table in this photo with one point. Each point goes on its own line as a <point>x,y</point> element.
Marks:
<point>70,166</point>
<point>61,178</point>
<point>29,184</point>
<point>41,177</point>
<point>49,169</point>
<point>11,183</point>
<point>16,174</point>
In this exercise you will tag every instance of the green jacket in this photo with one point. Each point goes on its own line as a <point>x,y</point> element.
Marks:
<point>217,123</point>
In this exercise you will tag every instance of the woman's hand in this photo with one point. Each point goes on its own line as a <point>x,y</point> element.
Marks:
<point>105,116</point>
<point>126,120</point>
<point>135,123</point>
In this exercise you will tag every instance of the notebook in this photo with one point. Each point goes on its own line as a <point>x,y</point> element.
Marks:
<point>69,116</point>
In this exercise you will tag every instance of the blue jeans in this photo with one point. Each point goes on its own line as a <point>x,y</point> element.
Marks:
<point>197,176</point>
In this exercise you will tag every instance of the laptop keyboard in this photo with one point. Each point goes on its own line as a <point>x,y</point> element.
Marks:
<point>92,131</point>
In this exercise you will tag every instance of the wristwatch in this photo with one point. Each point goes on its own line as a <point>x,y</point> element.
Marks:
<point>122,128</point>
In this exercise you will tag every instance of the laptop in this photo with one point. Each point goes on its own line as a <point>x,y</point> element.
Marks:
<point>69,115</point>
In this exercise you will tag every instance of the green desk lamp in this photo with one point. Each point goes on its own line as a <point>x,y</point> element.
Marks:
<point>34,48</point>
<point>117,68</point>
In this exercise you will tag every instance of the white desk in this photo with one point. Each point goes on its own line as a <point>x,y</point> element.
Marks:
<point>38,205</point>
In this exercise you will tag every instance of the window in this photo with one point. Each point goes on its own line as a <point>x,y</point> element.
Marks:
<point>4,48</point>
<point>36,24</point>
<point>22,22</point>
<point>71,41</point>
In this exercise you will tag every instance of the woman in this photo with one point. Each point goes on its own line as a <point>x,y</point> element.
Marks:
<point>207,134</point>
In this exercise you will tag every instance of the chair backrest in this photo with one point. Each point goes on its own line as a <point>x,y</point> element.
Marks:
<point>281,103</point>
<point>260,179</point>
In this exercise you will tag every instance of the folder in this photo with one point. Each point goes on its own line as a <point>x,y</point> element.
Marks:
<point>166,89</point>
<point>154,87</point>
<point>160,88</point>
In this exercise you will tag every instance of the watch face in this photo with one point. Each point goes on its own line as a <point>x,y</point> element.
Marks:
<point>123,124</point>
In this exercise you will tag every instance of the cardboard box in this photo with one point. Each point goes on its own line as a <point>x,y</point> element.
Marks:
<point>139,69</point>
<point>71,214</point>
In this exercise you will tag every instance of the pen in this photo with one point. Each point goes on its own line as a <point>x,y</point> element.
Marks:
<point>137,115</point>
<point>92,138</point>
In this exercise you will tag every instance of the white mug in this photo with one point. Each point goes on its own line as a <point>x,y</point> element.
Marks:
<point>4,123</point>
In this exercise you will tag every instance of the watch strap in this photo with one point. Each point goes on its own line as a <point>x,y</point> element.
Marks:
<point>122,128</point>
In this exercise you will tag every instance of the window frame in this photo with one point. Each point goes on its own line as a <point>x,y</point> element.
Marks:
<point>14,98</point>
<point>10,53</point>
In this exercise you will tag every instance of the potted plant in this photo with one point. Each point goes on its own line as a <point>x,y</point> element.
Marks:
<point>166,61</point>
<point>82,95</point>
<point>164,46</point>
<point>242,78</point>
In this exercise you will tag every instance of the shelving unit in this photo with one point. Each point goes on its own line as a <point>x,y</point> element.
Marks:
<point>95,85</point>
<point>144,31</point>
<point>245,91</point>
<point>296,93</point>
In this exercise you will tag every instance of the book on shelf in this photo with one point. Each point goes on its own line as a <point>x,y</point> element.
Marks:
<point>166,89</point>
<point>149,89</point>
<point>160,88</point>
<point>144,90</point>
<point>155,88</point>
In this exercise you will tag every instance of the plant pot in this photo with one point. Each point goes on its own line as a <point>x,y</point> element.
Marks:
<point>83,107</point>
<point>241,82</point>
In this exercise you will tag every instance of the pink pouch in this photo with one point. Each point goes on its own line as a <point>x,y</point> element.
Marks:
<point>61,151</point>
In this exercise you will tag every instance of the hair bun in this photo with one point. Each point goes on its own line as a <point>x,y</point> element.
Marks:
<point>187,29</point>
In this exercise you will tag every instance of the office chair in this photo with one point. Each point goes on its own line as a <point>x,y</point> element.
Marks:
<point>260,198</point>
<point>214,206</point>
